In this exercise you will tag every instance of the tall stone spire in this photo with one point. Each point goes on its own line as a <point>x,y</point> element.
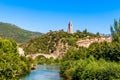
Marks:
<point>70,27</point>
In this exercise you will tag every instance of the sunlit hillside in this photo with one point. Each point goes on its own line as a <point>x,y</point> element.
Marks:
<point>11,31</point>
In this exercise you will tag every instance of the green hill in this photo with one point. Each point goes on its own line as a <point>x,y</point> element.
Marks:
<point>11,31</point>
<point>54,42</point>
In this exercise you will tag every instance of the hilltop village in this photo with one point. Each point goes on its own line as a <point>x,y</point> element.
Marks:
<point>61,48</point>
<point>88,41</point>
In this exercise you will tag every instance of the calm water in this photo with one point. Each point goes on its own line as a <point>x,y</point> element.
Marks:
<point>44,73</point>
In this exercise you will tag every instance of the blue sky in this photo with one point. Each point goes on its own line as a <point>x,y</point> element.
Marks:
<point>45,15</point>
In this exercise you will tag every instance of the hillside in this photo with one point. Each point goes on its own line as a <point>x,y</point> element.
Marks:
<point>11,31</point>
<point>55,42</point>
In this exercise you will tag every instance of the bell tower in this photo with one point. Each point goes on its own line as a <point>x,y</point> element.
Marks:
<point>70,27</point>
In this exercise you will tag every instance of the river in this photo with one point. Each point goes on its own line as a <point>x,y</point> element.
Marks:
<point>44,73</point>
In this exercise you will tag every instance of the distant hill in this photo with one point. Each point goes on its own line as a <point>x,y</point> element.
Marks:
<point>11,31</point>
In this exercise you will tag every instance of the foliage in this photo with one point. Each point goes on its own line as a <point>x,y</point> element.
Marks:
<point>73,54</point>
<point>90,69</point>
<point>107,51</point>
<point>10,31</point>
<point>11,64</point>
<point>49,42</point>
<point>47,61</point>
<point>115,30</point>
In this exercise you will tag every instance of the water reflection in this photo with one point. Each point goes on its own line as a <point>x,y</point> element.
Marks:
<point>44,73</point>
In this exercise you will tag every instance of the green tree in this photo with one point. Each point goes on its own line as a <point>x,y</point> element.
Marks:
<point>85,31</point>
<point>12,64</point>
<point>115,31</point>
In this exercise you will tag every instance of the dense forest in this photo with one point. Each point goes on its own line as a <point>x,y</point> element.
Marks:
<point>11,31</point>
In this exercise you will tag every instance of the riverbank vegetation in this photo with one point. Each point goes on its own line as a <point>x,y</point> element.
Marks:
<point>90,69</point>
<point>12,65</point>
<point>41,60</point>
<point>101,61</point>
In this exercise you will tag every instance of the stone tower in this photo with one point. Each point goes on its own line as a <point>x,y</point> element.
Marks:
<point>70,27</point>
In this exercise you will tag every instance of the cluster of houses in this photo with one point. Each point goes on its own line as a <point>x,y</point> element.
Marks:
<point>87,42</point>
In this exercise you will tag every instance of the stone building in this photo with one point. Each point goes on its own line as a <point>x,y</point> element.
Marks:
<point>70,29</point>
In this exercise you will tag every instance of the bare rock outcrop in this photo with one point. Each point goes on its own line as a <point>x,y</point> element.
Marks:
<point>21,51</point>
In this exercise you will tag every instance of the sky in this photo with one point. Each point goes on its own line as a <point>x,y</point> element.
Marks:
<point>45,15</point>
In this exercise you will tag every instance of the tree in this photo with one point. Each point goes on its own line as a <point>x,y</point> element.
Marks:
<point>98,34</point>
<point>85,31</point>
<point>115,31</point>
<point>11,64</point>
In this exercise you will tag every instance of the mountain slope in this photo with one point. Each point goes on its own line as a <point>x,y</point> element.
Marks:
<point>11,31</point>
